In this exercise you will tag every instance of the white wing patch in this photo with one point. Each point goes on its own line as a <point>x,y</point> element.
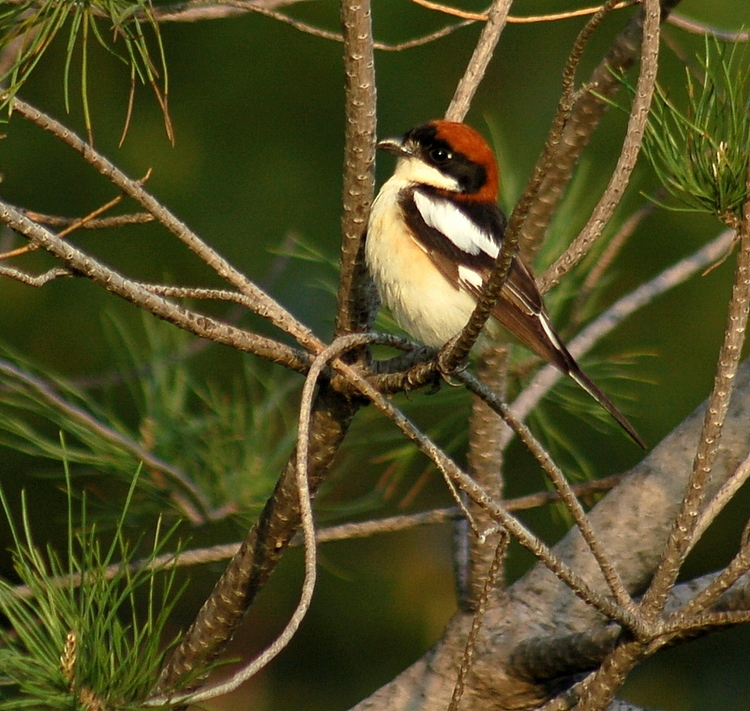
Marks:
<point>449,220</point>
<point>470,276</point>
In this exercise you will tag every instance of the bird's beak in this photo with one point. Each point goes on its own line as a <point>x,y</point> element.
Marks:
<point>396,147</point>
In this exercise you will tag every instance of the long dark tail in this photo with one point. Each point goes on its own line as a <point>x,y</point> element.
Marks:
<point>575,372</point>
<point>521,310</point>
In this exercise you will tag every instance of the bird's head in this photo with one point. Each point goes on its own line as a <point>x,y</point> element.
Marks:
<point>449,156</point>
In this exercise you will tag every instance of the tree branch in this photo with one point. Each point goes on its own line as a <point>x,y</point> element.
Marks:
<point>618,182</point>
<point>729,358</point>
<point>357,301</point>
<point>263,304</point>
<point>633,522</point>
<point>199,324</point>
<point>586,113</point>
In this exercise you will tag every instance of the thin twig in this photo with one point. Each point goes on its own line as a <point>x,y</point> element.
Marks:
<point>631,147</point>
<point>40,279</point>
<point>343,532</point>
<point>479,61</point>
<point>737,567</point>
<point>490,582</point>
<point>420,41</point>
<point>604,261</point>
<point>190,12</point>
<point>714,507</point>
<point>563,488</point>
<point>263,304</point>
<point>702,28</point>
<point>587,112</point>
<point>199,324</point>
<point>480,496</point>
<point>101,223</point>
<point>516,19</point>
<point>69,228</point>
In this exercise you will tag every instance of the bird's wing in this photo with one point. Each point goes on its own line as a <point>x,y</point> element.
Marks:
<point>463,240</point>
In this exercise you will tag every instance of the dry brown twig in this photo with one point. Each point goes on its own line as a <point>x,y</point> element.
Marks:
<point>515,19</point>
<point>92,221</point>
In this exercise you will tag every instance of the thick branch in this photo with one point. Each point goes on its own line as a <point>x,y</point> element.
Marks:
<point>633,523</point>
<point>263,547</point>
<point>357,301</point>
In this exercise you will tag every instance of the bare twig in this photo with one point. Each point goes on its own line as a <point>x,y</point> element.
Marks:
<point>481,497</point>
<point>716,505</point>
<point>477,66</point>
<point>701,28</point>
<point>87,223</point>
<point>516,19</point>
<point>40,279</point>
<point>343,532</point>
<point>263,304</point>
<point>71,227</point>
<point>196,11</point>
<point>737,567</point>
<point>199,324</point>
<point>563,488</point>
<point>263,547</point>
<point>420,41</point>
<point>636,126</point>
<point>604,261</point>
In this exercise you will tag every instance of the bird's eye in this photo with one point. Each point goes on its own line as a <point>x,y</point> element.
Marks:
<point>440,155</point>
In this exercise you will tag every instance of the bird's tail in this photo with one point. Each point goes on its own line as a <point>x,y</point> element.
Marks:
<point>575,372</point>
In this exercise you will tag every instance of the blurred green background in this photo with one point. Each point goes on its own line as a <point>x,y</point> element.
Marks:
<point>258,118</point>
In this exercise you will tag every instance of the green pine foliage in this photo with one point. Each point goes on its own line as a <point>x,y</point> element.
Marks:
<point>209,449</point>
<point>86,627</point>
<point>119,26</point>
<point>701,152</point>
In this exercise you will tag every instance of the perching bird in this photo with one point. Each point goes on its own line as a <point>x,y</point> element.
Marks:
<point>434,233</point>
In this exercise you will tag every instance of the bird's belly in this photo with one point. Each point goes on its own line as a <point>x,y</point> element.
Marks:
<point>422,300</point>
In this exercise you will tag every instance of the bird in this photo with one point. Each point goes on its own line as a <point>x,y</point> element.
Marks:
<point>433,235</point>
